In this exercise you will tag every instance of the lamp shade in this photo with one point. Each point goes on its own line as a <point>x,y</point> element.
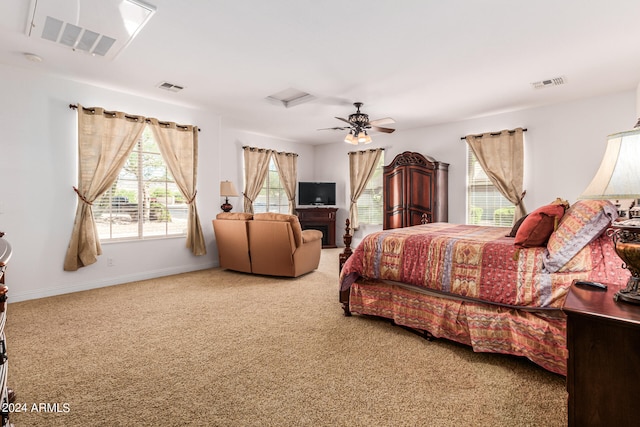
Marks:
<point>619,174</point>
<point>227,189</point>
<point>349,139</point>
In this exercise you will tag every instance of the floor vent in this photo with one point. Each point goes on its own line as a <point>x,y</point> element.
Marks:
<point>557,81</point>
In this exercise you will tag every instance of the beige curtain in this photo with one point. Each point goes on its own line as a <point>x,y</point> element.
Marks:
<point>105,140</point>
<point>501,155</point>
<point>287,164</point>
<point>179,148</point>
<point>256,166</point>
<point>362,164</point>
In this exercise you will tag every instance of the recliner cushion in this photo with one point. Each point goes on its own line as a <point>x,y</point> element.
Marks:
<point>292,219</point>
<point>235,215</point>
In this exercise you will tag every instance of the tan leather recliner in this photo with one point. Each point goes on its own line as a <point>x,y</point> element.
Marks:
<point>232,237</point>
<point>279,247</point>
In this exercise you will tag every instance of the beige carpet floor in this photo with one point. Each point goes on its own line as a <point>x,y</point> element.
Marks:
<point>218,348</point>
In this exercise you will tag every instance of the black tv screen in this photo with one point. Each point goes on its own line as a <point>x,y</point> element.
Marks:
<point>316,193</point>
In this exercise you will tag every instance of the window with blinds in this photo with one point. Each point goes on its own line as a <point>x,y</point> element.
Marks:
<point>144,201</point>
<point>272,197</point>
<point>485,204</point>
<point>370,201</point>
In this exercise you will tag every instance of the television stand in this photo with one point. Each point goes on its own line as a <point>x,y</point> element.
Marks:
<point>323,219</point>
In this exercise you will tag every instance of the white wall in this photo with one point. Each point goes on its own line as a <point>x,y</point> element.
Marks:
<point>563,148</point>
<point>38,168</point>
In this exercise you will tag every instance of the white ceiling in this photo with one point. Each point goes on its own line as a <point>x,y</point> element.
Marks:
<point>421,62</point>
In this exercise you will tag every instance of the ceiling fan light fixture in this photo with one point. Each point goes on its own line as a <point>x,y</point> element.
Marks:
<point>363,137</point>
<point>349,139</point>
<point>359,123</point>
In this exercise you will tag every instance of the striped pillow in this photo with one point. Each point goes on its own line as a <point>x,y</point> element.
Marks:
<point>580,225</point>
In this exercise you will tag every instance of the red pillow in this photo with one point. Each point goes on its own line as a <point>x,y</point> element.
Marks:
<point>538,226</point>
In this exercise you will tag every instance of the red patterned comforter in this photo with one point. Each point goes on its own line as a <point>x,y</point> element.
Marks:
<point>477,262</point>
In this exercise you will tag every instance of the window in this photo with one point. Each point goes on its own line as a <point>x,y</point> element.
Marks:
<point>485,204</point>
<point>272,197</point>
<point>370,201</point>
<point>144,201</point>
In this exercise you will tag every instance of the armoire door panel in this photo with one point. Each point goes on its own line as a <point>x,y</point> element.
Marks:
<point>394,200</point>
<point>420,189</point>
<point>394,220</point>
<point>415,188</point>
<point>395,197</point>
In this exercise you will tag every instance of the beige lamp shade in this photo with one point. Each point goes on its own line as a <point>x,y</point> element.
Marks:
<point>619,174</point>
<point>227,189</point>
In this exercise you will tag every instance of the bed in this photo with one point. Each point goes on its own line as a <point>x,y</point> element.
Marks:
<point>482,286</point>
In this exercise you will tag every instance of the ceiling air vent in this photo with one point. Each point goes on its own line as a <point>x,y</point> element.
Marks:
<point>290,97</point>
<point>557,81</point>
<point>170,87</point>
<point>98,27</point>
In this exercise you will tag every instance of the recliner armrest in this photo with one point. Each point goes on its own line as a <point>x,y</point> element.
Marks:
<point>310,235</point>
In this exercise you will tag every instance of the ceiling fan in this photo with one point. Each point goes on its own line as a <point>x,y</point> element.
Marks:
<point>359,124</point>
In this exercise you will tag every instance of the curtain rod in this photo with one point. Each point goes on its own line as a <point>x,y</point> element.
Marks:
<point>364,151</point>
<point>75,107</point>
<point>246,147</point>
<point>493,134</point>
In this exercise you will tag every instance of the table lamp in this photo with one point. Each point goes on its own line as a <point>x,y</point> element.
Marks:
<point>619,178</point>
<point>227,190</point>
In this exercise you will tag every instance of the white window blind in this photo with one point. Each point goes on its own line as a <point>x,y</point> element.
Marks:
<point>272,197</point>
<point>370,201</point>
<point>144,201</point>
<point>485,204</point>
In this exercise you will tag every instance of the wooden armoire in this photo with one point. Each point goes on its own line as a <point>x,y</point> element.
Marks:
<point>416,191</point>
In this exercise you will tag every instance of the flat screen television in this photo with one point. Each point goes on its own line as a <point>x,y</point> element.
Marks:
<point>316,193</point>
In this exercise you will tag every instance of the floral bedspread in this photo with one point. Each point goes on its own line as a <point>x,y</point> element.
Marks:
<point>477,262</point>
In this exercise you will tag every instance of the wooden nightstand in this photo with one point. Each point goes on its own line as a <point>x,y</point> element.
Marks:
<point>603,369</point>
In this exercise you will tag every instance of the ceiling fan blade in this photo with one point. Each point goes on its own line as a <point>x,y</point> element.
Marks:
<point>384,130</point>
<point>334,128</point>
<point>344,120</point>
<point>383,121</point>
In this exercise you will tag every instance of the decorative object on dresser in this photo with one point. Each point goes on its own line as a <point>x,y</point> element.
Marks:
<point>603,339</point>
<point>323,219</point>
<point>7,395</point>
<point>227,190</point>
<point>415,190</point>
<point>619,178</point>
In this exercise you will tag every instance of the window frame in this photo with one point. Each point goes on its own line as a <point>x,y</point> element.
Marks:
<point>117,201</point>
<point>267,192</point>
<point>502,210</point>
<point>374,189</point>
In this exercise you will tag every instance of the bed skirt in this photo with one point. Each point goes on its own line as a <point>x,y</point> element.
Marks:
<point>540,336</point>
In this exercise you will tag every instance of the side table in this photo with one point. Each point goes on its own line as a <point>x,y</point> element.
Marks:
<point>603,369</point>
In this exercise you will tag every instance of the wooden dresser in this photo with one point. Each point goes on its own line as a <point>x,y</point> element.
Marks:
<point>603,370</point>
<point>416,190</point>
<point>6,395</point>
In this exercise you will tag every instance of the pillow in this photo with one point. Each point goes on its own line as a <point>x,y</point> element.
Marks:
<point>516,226</point>
<point>537,227</point>
<point>582,224</point>
<point>293,220</point>
<point>234,215</point>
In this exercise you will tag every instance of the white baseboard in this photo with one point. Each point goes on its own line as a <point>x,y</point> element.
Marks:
<point>16,296</point>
